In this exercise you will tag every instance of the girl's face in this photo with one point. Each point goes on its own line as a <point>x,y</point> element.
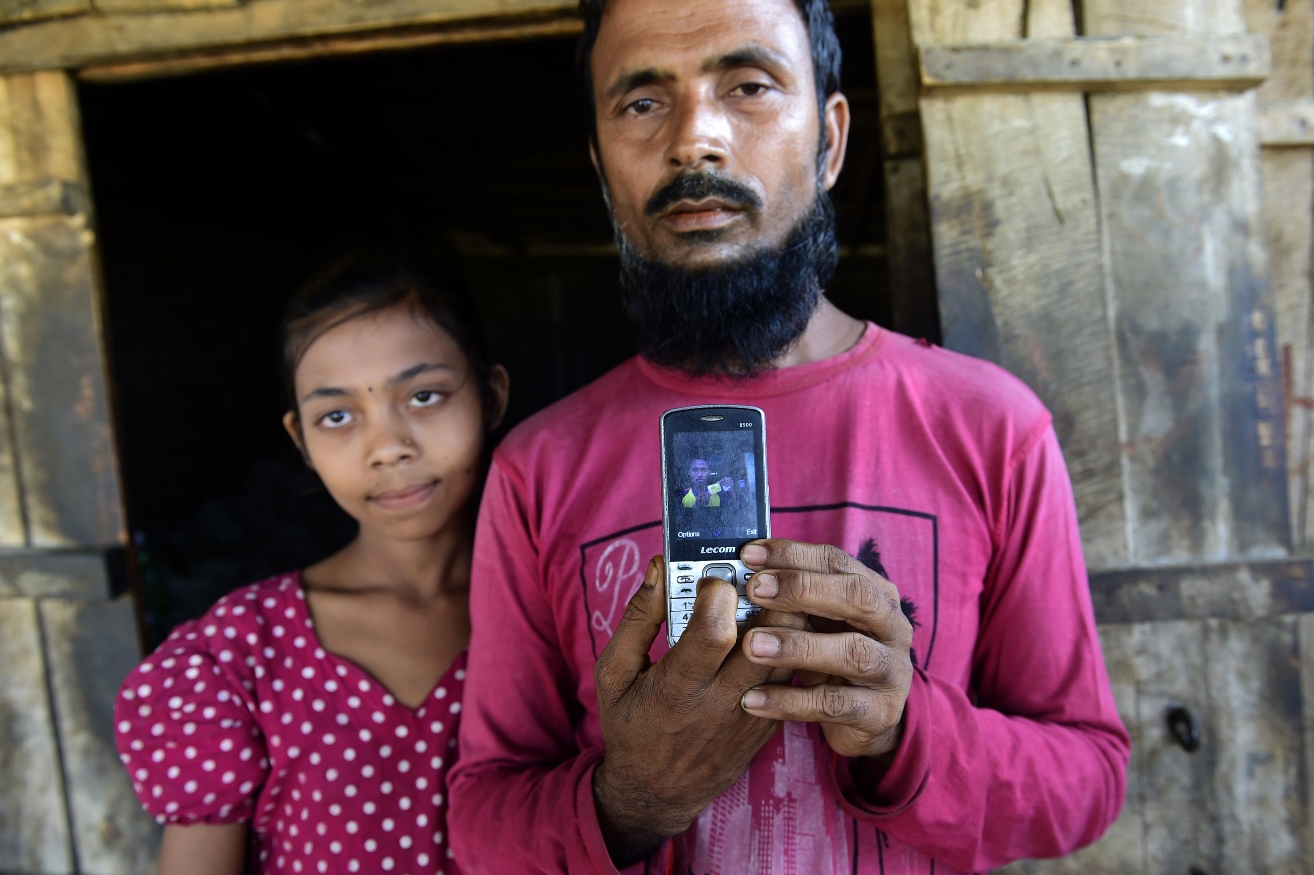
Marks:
<point>391,420</point>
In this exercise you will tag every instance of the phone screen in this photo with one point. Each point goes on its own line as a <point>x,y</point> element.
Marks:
<point>715,500</point>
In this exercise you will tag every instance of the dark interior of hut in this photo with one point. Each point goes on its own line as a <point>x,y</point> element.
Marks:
<point>217,195</point>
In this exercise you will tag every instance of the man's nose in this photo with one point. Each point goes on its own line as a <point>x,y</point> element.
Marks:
<point>700,134</point>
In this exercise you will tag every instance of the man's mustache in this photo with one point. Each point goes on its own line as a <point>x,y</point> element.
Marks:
<point>700,186</point>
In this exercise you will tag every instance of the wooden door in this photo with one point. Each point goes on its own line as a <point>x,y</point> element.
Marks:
<point>1097,226</point>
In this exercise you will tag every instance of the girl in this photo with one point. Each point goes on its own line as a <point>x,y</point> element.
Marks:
<point>318,710</point>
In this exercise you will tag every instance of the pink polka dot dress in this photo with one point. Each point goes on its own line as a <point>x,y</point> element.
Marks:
<point>242,716</point>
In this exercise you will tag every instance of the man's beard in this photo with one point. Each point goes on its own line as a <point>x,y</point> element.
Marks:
<point>733,319</point>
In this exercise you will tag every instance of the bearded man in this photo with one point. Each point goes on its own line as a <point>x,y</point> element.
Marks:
<point>923,691</point>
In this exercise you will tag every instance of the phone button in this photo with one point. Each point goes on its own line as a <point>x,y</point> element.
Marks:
<point>677,629</point>
<point>743,615</point>
<point>681,605</point>
<point>685,566</point>
<point>722,572</point>
<point>684,578</point>
<point>684,591</point>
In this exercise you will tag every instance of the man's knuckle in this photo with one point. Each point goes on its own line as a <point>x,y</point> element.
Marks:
<point>835,560</point>
<point>835,703</point>
<point>860,658</point>
<point>862,596</point>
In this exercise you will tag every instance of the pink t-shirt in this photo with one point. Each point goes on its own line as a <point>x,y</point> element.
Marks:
<point>242,717</point>
<point>939,471</point>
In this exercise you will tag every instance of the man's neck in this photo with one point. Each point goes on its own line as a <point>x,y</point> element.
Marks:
<point>830,331</point>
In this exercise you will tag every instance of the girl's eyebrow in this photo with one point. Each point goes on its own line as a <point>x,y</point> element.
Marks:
<point>409,374</point>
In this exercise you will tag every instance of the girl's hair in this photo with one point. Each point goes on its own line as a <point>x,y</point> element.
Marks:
<point>365,283</point>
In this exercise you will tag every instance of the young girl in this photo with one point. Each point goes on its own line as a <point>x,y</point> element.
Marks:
<point>318,709</point>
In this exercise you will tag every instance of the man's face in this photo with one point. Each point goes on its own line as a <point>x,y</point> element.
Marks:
<point>719,89</point>
<point>698,472</point>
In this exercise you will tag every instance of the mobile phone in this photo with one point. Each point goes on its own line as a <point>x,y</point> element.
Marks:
<point>715,500</point>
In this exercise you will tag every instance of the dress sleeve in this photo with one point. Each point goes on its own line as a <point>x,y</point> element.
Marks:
<point>522,792</point>
<point>1034,763</point>
<point>185,732</point>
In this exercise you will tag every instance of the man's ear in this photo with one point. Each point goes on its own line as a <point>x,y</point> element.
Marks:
<point>836,118</point>
<point>593,157</point>
<point>292,425</point>
<point>499,381</point>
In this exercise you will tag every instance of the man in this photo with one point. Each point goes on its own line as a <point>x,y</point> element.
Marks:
<point>700,494</point>
<point>925,692</point>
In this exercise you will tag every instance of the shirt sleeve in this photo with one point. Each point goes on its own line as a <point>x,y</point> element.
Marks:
<point>522,791</point>
<point>1035,766</point>
<point>185,733</point>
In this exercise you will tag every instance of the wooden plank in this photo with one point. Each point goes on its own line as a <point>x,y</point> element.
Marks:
<point>1286,118</point>
<point>907,221</point>
<point>1017,251</point>
<point>50,333</point>
<point>355,44</point>
<point>18,11</point>
<point>1199,387</point>
<point>34,830</point>
<point>121,7</point>
<point>42,197</point>
<point>1225,590</point>
<point>38,127</point>
<point>1258,763</point>
<point>90,648</point>
<point>1305,639</point>
<point>1110,64</point>
<point>77,42</point>
<point>47,574</point>
<point>1287,123</point>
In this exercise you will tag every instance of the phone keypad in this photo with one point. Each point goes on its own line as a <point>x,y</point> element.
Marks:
<point>684,590</point>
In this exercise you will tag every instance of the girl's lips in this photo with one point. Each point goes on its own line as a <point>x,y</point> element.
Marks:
<point>405,498</point>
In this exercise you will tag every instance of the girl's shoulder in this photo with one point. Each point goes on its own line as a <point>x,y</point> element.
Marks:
<point>187,717</point>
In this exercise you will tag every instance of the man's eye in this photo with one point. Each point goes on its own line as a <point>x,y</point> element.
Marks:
<point>335,419</point>
<point>425,398</point>
<point>643,106</point>
<point>751,89</point>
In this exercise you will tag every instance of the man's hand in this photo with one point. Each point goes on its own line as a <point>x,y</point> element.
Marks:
<point>855,665</point>
<point>675,734</point>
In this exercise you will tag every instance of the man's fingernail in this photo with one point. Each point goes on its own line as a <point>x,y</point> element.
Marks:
<point>753,699</point>
<point>764,644</point>
<point>765,586</point>
<point>754,554</point>
<point>651,576</point>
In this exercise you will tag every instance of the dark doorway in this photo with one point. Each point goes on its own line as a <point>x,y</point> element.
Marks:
<point>217,195</point>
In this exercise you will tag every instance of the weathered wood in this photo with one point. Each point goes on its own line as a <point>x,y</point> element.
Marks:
<point>90,648</point>
<point>77,42</point>
<point>1223,590</point>
<point>41,198</point>
<point>16,11</point>
<point>201,62</point>
<point>1086,64</point>
<point>1288,123</point>
<point>34,829</point>
<point>50,333</point>
<point>39,138</point>
<point>1258,764</point>
<point>1305,639</point>
<point>120,7</point>
<point>1189,280</point>
<point>62,574</point>
<point>1017,251</point>
<point>907,222</point>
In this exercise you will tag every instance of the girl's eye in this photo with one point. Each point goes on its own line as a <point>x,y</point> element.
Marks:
<point>425,398</point>
<point>335,419</point>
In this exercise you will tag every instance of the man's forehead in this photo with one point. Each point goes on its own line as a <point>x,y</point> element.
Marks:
<point>668,36</point>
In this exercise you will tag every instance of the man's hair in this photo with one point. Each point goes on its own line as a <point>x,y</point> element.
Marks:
<point>822,40</point>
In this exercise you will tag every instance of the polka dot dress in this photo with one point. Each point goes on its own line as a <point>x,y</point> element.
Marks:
<point>242,716</point>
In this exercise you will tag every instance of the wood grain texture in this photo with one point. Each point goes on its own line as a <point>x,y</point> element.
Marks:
<point>1116,64</point>
<point>50,330</point>
<point>50,574</point>
<point>43,197</point>
<point>34,832</point>
<point>1180,196</point>
<point>90,648</point>
<point>1019,270</point>
<point>77,42</point>
<point>1286,118</point>
<point>1305,638</point>
<point>121,7</point>
<point>19,11</point>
